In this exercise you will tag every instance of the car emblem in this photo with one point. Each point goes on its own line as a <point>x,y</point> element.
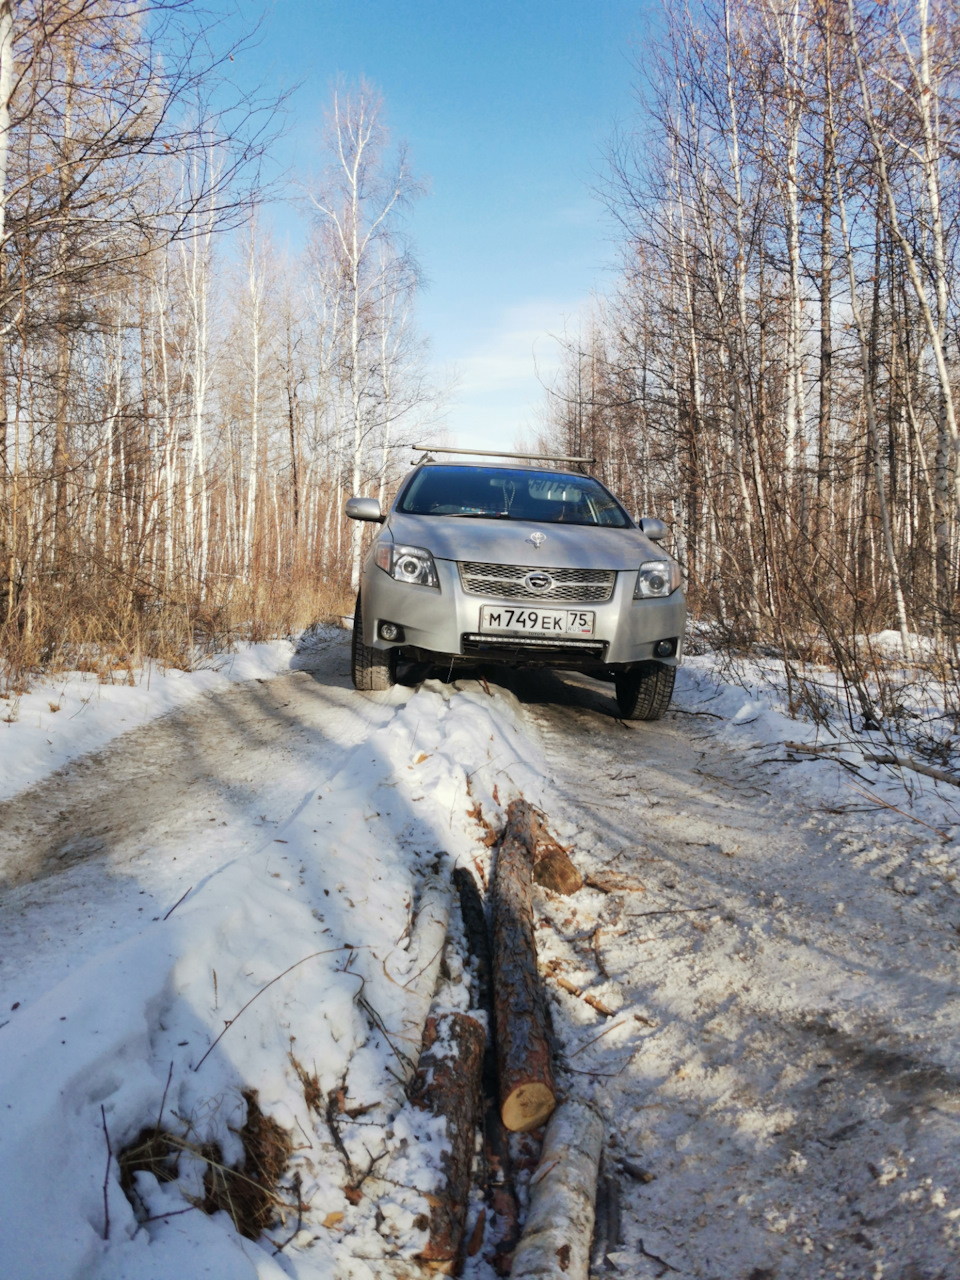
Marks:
<point>538,539</point>
<point>538,582</point>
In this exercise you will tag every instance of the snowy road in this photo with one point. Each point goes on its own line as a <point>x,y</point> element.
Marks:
<point>794,1082</point>
<point>780,957</point>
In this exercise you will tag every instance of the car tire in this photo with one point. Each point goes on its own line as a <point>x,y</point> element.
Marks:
<point>372,670</point>
<point>644,692</point>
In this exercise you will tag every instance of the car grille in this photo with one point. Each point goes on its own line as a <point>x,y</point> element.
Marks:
<point>506,582</point>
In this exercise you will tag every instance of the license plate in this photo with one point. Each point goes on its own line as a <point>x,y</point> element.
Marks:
<point>541,622</point>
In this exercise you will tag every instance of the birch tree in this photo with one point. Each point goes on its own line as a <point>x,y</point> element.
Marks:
<point>771,140</point>
<point>365,190</point>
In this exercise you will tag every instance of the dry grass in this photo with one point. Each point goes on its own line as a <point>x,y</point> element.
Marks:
<point>248,1192</point>
<point>151,1151</point>
<point>87,627</point>
<point>312,1093</point>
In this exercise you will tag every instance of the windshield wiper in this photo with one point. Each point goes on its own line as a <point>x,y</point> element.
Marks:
<point>482,515</point>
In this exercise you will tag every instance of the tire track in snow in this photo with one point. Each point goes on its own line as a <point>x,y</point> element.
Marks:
<point>792,1080</point>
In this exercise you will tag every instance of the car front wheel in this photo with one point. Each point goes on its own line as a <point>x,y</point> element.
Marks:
<point>372,670</point>
<point>644,692</point>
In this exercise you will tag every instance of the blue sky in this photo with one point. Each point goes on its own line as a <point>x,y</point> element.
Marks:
<point>506,108</point>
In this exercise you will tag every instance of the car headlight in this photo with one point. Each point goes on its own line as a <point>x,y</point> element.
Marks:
<point>657,578</point>
<point>407,564</point>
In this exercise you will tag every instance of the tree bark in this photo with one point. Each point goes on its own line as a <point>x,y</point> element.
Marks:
<point>527,1093</point>
<point>501,1195</point>
<point>478,940</point>
<point>447,1084</point>
<point>607,1225</point>
<point>826,270</point>
<point>552,867</point>
<point>428,934</point>
<point>6,88</point>
<point>559,1228</point>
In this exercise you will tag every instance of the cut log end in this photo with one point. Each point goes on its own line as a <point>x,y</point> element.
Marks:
<point>553,870</point>
<point>527,1107</point>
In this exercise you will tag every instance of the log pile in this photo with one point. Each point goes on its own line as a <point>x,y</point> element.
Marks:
<point>498,1169</point>
<point>505,1075</point>
<point>428,935</point>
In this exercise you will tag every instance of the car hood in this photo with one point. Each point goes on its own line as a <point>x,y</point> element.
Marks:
<point>564,546</point>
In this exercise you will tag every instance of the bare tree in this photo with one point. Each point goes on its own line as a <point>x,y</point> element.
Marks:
<point>363,192</point>
<point>772,140</point>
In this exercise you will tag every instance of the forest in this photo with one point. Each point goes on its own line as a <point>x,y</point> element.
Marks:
<point>185,406</point>
<point>775,370</point>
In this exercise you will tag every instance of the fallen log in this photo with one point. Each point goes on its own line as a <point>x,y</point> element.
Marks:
<point>559,1228</point>
<point>552,868</point>
<point>527,1093</point>
<point>606,1226</point>
<point>418,983</point>
<point>500,1190</point>
<point>447,1084</point>
<point>475,927</point>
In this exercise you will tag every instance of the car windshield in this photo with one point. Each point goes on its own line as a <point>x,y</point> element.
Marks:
<point>511,494</point>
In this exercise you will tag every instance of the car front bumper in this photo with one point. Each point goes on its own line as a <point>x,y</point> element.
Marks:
<point>438,621</point>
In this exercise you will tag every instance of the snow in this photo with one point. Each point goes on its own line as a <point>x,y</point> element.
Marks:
<point>74,713</point>
<point>748,705</point>
<point>238,911</point>
<point>890,644</point>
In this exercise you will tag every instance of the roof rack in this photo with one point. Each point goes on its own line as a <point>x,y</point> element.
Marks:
<point>502,453</point>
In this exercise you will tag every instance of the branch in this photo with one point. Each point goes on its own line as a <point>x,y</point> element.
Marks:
<point>106,1176</point>
<point>313,954</point>
<point>890,757</point>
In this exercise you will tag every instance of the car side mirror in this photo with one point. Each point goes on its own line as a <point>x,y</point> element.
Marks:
<point>364,509</point>
<point>652,528</point>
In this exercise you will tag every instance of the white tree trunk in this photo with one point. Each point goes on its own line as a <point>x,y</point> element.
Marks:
<point>555,1244</point>
<point>417,982</point>
<point>6,88</point>
<point>255,303</point>
<point>913,271</point>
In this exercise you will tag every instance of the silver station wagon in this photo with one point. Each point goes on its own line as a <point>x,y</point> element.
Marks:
<point>478,564</point>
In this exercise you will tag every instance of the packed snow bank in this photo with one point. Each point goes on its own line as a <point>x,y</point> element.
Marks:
<point>746,702</point>
<point>890,645</point>
<point>289,958</point>
<point>74,713</point>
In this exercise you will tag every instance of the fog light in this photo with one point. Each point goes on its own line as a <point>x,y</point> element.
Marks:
<point>390,631</point>
<point>665,648</point>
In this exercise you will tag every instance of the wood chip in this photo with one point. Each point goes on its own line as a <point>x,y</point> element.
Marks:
<point>613,882</point>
